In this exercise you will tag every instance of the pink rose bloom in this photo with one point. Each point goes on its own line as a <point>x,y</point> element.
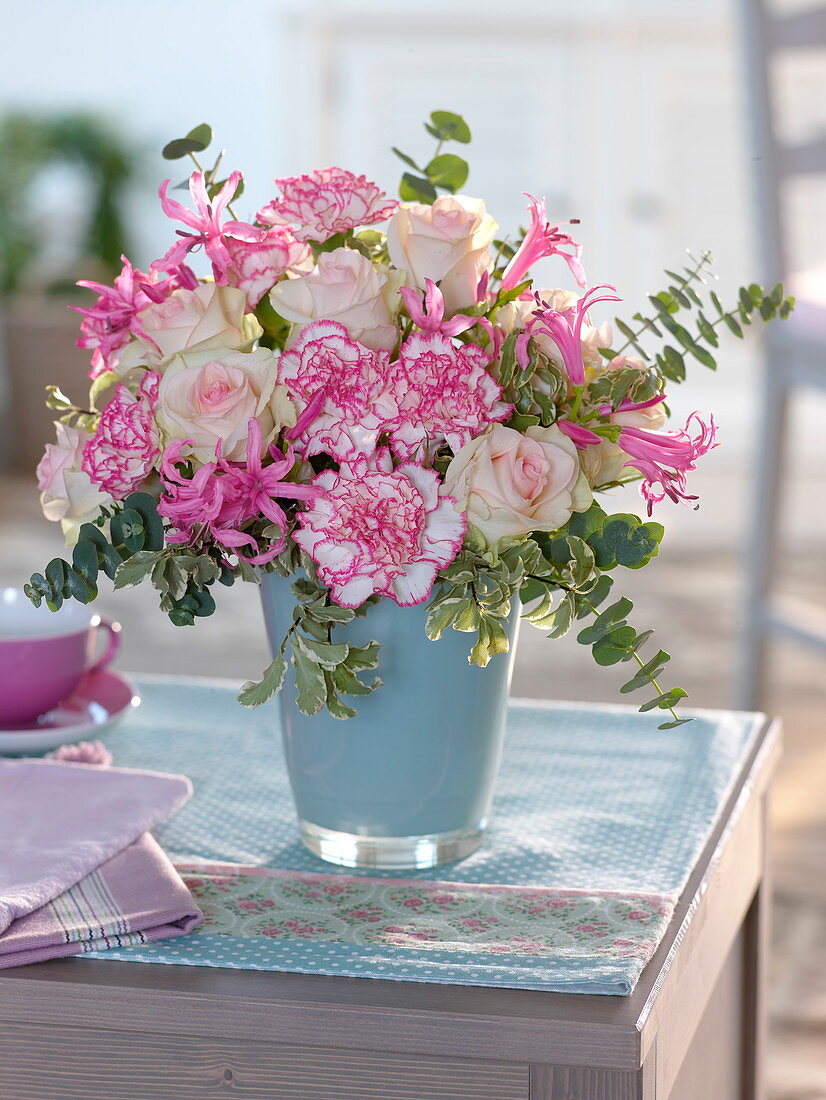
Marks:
<point>326,202</point>
<point>262,256</point>
<point>343,385</point>
<point>444,393</point>
<point>208,397</point>
<point>447,241</point>
<point>67,493</point>
<point>124,447</point>
<point>344,286</point>
<point>207,317</point>
<point>509,484</point>
<point>376,530</point>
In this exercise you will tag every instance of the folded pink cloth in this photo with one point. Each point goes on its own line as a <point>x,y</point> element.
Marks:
<point>135,897</point>
<point>60,822</point>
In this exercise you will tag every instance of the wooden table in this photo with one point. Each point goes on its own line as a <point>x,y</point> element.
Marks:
<point>77,1029</point>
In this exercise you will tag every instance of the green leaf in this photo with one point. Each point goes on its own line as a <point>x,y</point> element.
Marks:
<point>326,654</point>
<point>665,701</point>
<point>733,325</point>
<point>335,706</point>
<point>407,160</point>
<point>253,694</point>
<point>195,142</point>
<point>127,530</point>
<point>648,673</point>
<point>441,615</point>
<point>449,127</point>
<point>492,639</point>
<point>348,683</point>
<point>605,622</point>
<point>448,172</point>
<point>416,189</point>
<point>309,679</point>
<point>363,657</point>
<point>614,647</point>
<point>706,330</point>
<point>147,508</point>
<point>136,568</point>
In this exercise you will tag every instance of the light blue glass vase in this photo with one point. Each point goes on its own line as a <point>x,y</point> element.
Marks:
<point>408,783</point>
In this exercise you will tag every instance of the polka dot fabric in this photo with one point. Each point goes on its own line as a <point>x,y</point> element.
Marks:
<point>589,797</point>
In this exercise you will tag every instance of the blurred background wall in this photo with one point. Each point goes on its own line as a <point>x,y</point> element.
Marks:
<point>630,115</point>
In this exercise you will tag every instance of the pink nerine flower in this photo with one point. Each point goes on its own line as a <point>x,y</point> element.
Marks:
<point>260,256</point>
<point>326,202</point>
<point>429,314</point>
<point>565,329</point>
<point>542,239</point>
<point>110,323</point>
<point>376,530</point>
<point>205,224</point>
<point>444,394</point>
<point>343,388</point>
<point>222,496</point>
<point>124,448</point>
<point>664,458</point>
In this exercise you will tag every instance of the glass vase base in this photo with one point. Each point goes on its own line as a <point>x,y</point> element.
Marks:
<point>390,853</point>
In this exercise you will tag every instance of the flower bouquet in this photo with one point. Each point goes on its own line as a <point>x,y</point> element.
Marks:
<point>372,398</point>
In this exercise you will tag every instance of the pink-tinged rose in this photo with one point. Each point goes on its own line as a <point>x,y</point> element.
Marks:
<point>261,257</point>
<point>444,394</point>
<point>448,242</point>
<point>209,397</point>
<point>376,530</point>
<point>340,390</point>
<point>344,286</point>
<point>67,493</point>
<point>510,484</point>
<point>190,320</point>
<point>124,447</point>
<point>326,202</point>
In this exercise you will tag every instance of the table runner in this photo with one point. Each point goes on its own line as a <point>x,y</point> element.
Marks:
<point>595,810</point>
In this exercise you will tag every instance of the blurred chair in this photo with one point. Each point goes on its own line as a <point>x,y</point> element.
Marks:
<point>795,350</point>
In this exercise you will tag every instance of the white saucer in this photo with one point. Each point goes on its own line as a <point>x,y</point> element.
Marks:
<point>98,703</point>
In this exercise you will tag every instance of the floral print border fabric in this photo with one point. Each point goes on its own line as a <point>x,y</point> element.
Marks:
<point>249,902</point>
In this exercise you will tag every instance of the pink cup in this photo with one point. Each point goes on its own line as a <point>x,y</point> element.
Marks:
<point>44,655</point>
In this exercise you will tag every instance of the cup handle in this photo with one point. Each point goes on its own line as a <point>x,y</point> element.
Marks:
<point>113,647</point>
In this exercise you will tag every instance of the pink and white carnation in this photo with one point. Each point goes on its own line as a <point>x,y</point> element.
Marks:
<point>111,322</point>
<point>344,286</point>
<point>326,202</point>
<point>379,531</point>
<point>208,316</point>
<point>67,493</point>
<point>260,257</point>
<point>445,394</point>
<point>124,447</point>
<point>340,390</point>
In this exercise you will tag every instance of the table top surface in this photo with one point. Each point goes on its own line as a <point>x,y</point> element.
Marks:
<point>492,1023</point>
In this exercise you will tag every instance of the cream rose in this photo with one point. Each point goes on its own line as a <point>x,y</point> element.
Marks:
<point>510,484</point>
<point>210,396</point>
<point>67,493</point>
<point>344,286</point>
<point>448,242</point>
<point>190,320</point>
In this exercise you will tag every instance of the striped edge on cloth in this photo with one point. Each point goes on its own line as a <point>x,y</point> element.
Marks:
<point>133,898</point>
<point>545,938</point>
